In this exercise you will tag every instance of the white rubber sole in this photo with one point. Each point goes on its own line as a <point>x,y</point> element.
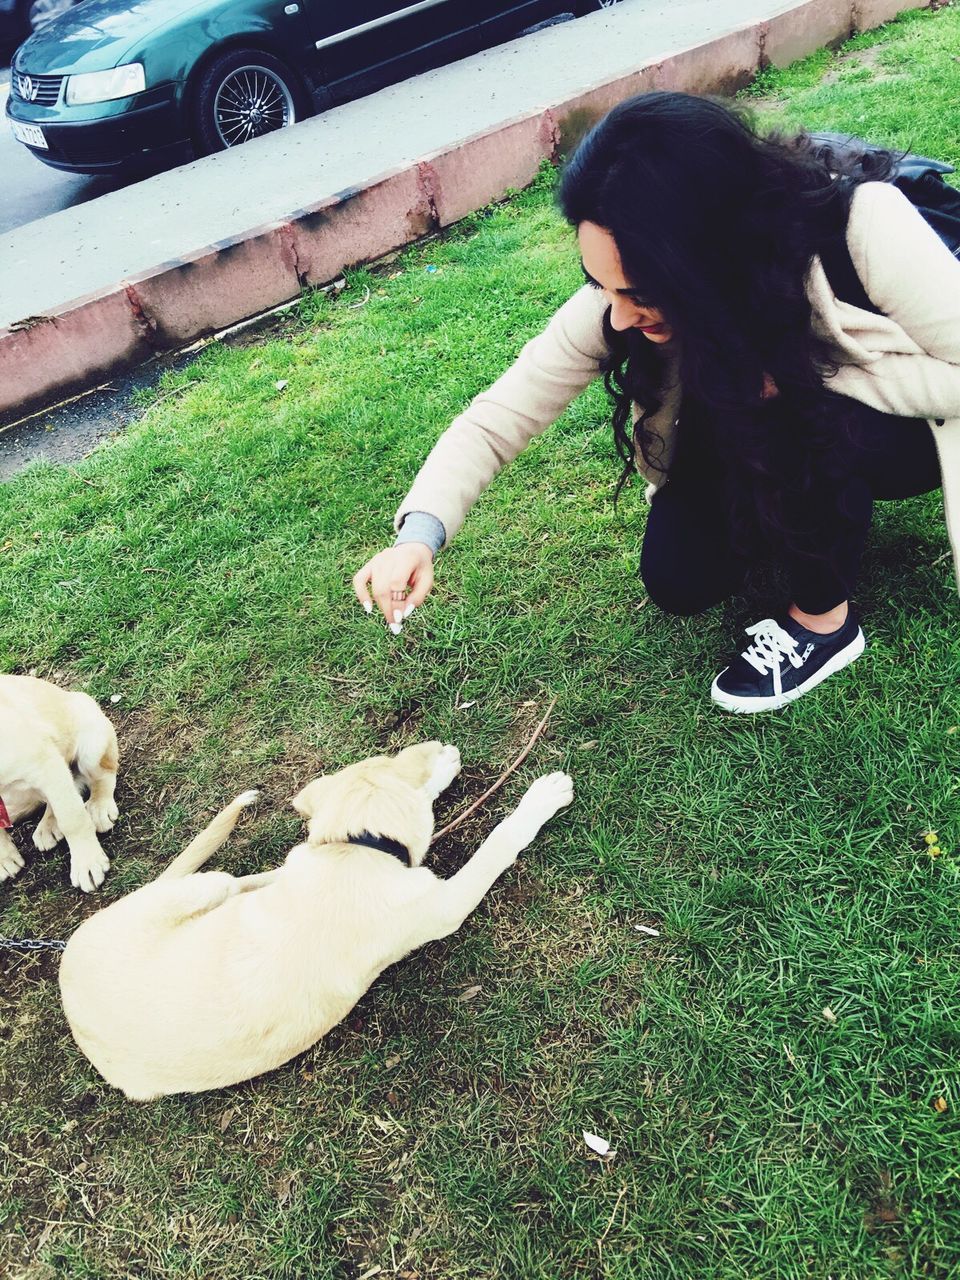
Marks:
<point>748,706</point>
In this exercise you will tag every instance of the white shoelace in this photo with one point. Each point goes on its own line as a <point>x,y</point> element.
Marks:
<point>771,646</point>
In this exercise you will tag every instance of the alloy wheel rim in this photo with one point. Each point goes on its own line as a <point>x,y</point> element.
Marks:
<point>250,102</point>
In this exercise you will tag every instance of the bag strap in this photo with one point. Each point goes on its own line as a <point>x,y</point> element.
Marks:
<point>920,178</point>
<point>842,274</point>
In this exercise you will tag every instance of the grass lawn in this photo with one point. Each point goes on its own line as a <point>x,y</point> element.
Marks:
<point>777,1070</point>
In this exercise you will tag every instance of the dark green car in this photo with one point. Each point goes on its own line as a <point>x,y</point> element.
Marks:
<point>111,87</point>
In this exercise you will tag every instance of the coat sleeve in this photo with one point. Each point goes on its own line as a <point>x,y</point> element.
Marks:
<point>551,370</point>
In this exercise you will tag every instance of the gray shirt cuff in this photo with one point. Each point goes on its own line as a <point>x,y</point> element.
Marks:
<point>420,526</point>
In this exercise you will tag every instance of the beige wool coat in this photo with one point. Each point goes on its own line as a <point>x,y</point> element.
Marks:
<point>905,361</point>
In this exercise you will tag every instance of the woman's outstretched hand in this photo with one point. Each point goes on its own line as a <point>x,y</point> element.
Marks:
<point>398,579</point>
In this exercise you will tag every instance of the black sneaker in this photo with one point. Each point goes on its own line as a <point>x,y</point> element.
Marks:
<point>784,661</point>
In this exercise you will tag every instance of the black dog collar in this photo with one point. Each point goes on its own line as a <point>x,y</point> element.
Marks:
<point>384,844</point>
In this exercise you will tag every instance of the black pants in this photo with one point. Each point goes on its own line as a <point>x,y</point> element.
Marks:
<point>688,562</point>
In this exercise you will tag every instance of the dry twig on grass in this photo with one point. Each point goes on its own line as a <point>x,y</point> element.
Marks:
<point>501,780</point>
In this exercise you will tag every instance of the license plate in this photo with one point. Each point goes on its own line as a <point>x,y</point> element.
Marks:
<point>30,135</point>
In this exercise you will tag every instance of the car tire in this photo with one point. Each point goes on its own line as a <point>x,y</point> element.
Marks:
<point>555,21</point>
<point>241,95</point>
<point>593,6</point>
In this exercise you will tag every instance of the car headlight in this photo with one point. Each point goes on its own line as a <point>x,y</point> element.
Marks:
<point>105,86</point>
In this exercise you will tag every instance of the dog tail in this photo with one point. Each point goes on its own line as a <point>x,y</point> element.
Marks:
<point>210,838</point>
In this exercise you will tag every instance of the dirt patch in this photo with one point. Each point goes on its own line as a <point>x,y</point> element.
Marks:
<point>869,58</point>
<point>87,1176</point>
<point>68,432</point>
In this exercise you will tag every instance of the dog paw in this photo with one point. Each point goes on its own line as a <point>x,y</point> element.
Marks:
<point>547,796</point>
<point>11,863</point>
<point>88,868</point>
<point>445,769</point>
<point>103,814</point>
<point>247,798</point>
<point>47,833</point>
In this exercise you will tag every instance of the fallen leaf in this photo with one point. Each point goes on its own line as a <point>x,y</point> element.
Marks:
<point>374,1271</point>
<point>589,746</point>
<point>471,993</point>
<point>828,1014</point>
<point>284,1186</point>
<point>391,1063</point>
<point>392,1098</point>
<point>940,1105</point>
<point>465,706</point>
<point>226,1118</point>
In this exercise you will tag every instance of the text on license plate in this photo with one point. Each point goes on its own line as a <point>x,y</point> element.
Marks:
<point>30,134</point>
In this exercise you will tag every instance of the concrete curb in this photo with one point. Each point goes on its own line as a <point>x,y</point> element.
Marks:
<point>44,358</point>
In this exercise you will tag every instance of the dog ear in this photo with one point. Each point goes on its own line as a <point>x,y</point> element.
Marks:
<point>415,764</point>
<point>305,802</point>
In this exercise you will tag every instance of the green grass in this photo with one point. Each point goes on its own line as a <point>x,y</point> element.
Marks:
<point>199,567</point>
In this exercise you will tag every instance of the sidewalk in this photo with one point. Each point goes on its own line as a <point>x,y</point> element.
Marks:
<point>93,290</point>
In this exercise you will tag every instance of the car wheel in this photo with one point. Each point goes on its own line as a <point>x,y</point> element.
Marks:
<point>555,21</point>
<point>44,11</point>
<point>244,94</point>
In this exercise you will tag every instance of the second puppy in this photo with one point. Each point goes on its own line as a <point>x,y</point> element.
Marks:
<point>51,741</point>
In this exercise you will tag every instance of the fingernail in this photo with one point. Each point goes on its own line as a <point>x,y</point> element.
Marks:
<point>396,628</point>
<point>367,607</point>
<point>398,616</point>
<point>408,610</point>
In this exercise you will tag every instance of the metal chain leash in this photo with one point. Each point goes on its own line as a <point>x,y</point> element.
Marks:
<point>31,944</point>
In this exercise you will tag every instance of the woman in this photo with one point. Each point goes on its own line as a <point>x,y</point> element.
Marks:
<point>772,413</point>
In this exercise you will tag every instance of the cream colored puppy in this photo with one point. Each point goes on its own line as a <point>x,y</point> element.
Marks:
<point>47,736</point>
<point>201,980</point>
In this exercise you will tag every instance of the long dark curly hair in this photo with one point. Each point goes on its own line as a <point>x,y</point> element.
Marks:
<point>716,226</point>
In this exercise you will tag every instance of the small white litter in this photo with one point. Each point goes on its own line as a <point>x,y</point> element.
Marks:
<point>645,928</point>
<point>600,1146</point>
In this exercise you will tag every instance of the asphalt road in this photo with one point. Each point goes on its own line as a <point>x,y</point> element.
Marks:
<point>31,189</point>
